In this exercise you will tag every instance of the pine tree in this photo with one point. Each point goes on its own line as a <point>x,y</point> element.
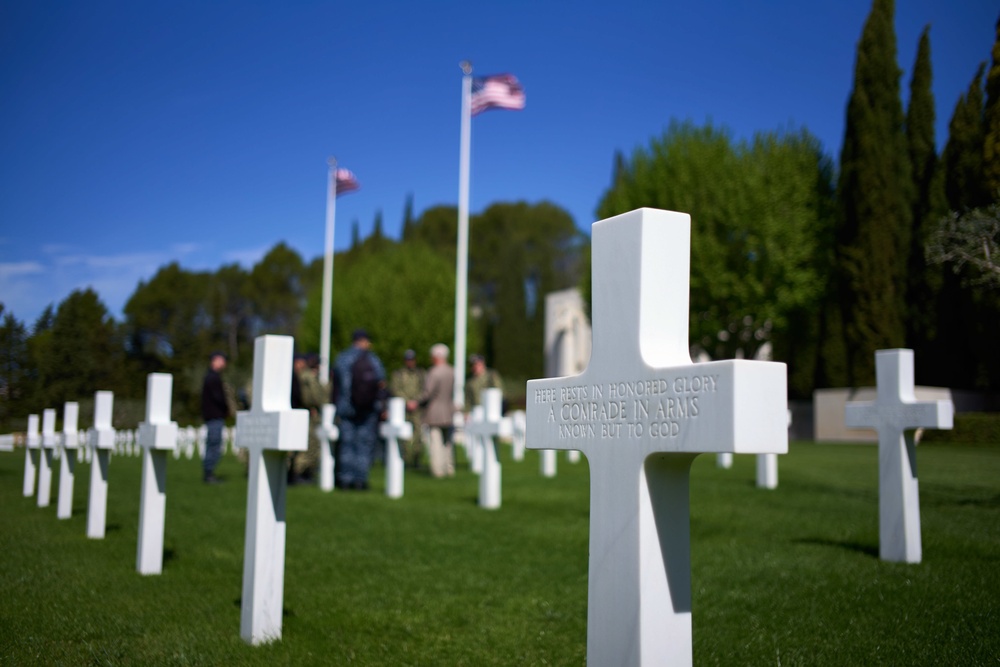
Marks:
<point>873,236</point>
<point>991,145</point>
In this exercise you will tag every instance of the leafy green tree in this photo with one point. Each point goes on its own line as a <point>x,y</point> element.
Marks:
<point>85,351</point>
<point>874,228</point>
<point>276,292</point>
<point>760,216</point>
<point>404,295</point>
<point>437,228</point>
<point>969,240</point>
<point>165,320</point>
<point>518,253</point>
<point>231,311</point>
<point>14,368</point>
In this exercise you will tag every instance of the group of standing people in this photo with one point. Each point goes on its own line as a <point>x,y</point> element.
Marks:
<point>360,392</point>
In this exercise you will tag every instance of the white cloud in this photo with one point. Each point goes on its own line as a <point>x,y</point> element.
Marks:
<point>10,270</point>
<point>186,248</point>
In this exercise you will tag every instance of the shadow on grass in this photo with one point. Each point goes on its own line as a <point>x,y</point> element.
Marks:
<point>866,549</point>
<point>169,555</point>
<point>980,502</point>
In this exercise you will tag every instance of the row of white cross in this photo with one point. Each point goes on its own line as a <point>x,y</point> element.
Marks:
<point>641,412</point>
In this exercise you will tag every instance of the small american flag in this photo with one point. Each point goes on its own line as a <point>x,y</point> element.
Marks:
<point>499,91</point>
<point>346,181</point>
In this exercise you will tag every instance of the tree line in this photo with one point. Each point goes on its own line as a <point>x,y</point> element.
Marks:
<point>821,263</point>
<point>402,291</point>
<point>896,247</point>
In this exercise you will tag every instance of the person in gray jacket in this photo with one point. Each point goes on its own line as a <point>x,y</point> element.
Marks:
<point>437,402</point>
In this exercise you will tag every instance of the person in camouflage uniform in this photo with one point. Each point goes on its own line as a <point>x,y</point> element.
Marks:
<point>312,397</point>
<point>480,377</point>
<point>408,382</point>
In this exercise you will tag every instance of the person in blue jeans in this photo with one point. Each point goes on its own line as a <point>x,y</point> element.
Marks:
<point>214,410</point>
<point>359,394</point>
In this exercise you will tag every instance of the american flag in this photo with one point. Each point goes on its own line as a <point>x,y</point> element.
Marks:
<point>500,91</point>
<point>346,181</point>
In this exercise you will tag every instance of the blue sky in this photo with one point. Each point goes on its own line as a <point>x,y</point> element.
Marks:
<point>133,134</point>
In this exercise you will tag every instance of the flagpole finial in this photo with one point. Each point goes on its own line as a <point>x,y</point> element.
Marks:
<point>331,161</point>
<point>466,67</point>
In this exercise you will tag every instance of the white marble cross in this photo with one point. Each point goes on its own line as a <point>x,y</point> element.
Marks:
<point>157,436</point>
<point>486,424</point>
<point>641,413</point>
<point>49,444</point>
<point>67,465</point>
<point>518,424</point>
<point>102,440</point>
<point>31,446</point>
<point>269,430</point>
<point>393,430</point>
<point>894,414</point>
<point>328,433</point>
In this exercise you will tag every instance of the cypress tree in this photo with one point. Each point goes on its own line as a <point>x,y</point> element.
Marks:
<point>873,235</point>
<point>355,235</point>
<point>964,184</point>
<point>991,145</point>
<point>408,220</point>
<point>928,203</point>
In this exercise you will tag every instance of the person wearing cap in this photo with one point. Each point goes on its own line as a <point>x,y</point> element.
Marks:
<point>480,377</point>
<point>407,382</point>
<point>358,393</point>
<point>437,401</point>
<point>214,410</point>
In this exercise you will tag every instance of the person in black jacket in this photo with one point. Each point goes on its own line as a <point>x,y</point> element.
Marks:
<point>214,410</point>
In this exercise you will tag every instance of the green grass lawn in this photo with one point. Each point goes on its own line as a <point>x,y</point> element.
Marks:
<point>789,576</point>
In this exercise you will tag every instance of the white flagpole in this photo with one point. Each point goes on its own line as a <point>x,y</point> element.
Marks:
<point>462,254</point>
<point>324,327</point>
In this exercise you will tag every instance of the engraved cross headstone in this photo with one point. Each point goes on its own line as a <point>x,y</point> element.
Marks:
<point>102,440</point>
<point>641,412</point>
<point>49,444</point>
<point>269,430</point>
<point>31,446</point>
<point>328,433</point>
<point>894,414</point>
<point>487,423</point>
<point>67,465</point>
<point>392,430</point>
<point>157,437</point>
